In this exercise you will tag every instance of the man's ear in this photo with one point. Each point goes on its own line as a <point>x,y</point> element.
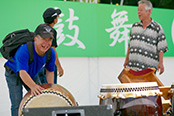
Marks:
<point>35,38</point>
<point>150,11</point>
<point>56,19</point>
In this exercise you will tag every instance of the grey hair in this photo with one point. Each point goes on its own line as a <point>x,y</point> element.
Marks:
<point>148,4</point>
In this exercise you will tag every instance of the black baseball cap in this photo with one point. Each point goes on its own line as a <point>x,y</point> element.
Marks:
<point>45,31</point>
<point>50,14</point>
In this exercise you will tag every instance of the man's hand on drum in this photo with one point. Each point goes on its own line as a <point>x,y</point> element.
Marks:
<point>36,90</point>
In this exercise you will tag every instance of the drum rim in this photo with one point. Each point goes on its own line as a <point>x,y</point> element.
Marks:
<point>55,88</point>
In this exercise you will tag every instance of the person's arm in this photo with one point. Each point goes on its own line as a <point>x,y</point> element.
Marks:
<point>50,76</point>
<point>57,62</point>
<point>160,65</point>
<point>35,89</point>
<point>127,59</point>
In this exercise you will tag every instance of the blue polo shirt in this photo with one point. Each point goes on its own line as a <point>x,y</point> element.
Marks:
<point>21,61</point>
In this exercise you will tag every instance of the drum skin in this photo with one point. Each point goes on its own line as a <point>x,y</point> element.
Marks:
<point>53,95</point>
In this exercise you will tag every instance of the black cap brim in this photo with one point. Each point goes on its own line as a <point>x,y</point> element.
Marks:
<point>58,11</point>
<point>46,35</point>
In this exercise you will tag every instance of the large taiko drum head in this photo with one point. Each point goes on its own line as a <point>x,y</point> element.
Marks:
<point>54,95</point>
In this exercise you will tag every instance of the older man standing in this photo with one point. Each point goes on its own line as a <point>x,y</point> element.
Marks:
<point>147,41</point>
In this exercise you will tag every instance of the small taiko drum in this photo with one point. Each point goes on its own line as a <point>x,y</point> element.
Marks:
<point>132,99</point>
<point>53,95</point>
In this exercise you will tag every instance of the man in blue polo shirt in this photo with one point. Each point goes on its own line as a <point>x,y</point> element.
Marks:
<point>20,67</point>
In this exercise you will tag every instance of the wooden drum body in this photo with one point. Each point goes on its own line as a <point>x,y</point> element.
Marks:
<point>132,99</point>
<point>54,95</point>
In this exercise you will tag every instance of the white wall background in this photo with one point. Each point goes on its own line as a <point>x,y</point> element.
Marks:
<point>84,77</point>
